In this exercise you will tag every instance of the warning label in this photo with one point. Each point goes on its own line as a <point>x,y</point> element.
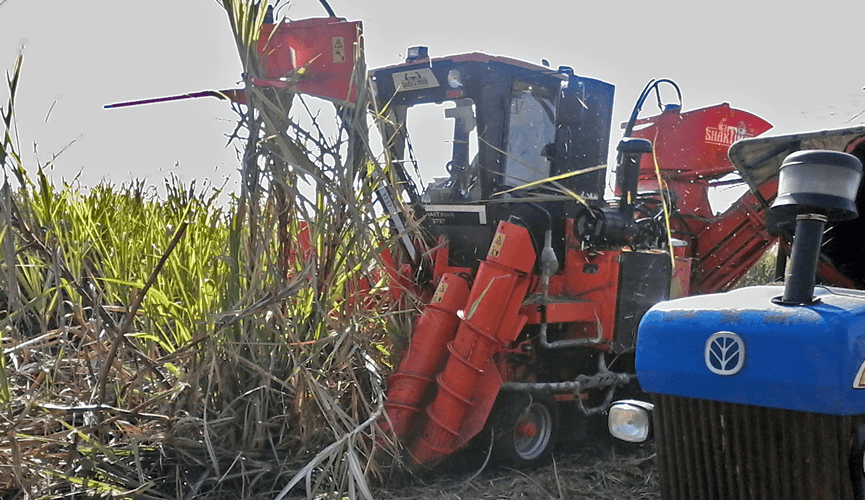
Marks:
<point>440,292</point>
<point>338,49</point>
<point>496,247</point>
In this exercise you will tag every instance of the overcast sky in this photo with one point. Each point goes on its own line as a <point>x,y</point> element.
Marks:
<point>797,67</point>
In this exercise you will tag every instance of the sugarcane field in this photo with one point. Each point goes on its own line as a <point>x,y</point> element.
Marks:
<point>458,276</point>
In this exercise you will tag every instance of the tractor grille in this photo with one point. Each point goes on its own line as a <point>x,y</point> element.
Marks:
<point>711,450</point>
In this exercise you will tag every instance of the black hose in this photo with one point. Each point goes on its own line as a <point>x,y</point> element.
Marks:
<point>327,8</point>
<point>647,90</point>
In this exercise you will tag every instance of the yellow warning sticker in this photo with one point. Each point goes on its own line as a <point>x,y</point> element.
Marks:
<point>496,247</point>
<point>859,381</point>
<point>338,49</point>
<point>440,292</point>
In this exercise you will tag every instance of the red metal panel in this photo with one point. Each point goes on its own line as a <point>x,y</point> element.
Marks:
<point>696,142</point>
<point>563,312</point>
<point>594,277</point>
<point>324,47</point>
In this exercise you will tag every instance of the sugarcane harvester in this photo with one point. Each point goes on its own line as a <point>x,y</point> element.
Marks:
<point>532,283</point>
<point>540,282</point>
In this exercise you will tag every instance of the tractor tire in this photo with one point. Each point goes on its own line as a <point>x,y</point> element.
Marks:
<point>525,428</point>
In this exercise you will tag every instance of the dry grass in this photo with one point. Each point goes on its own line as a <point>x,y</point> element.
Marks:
<point>206,353</point>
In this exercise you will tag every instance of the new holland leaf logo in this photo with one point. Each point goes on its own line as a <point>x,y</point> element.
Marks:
<point>725,353</point>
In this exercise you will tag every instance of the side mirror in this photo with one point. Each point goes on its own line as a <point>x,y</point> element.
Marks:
<point>631,420</point>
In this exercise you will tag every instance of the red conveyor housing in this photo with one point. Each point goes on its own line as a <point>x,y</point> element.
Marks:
<point>435,328</point>
<point>470,382</point>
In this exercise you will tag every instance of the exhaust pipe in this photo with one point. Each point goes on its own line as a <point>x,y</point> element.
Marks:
<point>816,187</point>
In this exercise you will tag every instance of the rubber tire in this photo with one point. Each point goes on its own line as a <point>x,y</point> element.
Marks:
<point>510,447</point>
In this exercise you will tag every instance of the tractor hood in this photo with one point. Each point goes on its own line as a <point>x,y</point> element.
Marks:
<point>758,159</point>
<point>744,347</point>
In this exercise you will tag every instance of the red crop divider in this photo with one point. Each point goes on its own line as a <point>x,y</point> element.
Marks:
<point>470,381</point>
<point>426,355</point>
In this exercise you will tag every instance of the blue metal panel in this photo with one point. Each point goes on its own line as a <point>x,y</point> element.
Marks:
<point>803,358</point>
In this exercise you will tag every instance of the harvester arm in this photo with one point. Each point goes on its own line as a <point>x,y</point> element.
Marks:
<point>729,246</point>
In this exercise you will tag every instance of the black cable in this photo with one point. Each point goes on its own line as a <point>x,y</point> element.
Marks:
<point>658,91</point>
<point>327,8</point>
<point>647,90</point>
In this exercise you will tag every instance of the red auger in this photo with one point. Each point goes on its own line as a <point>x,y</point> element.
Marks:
<point>469,384</point>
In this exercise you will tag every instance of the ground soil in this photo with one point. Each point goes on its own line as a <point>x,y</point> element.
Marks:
<point>596,467</point>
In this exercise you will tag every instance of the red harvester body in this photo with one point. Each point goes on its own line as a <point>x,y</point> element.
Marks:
<point>538,281</point>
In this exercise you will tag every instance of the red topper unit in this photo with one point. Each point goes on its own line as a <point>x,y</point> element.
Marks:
<point>311,56</point>
<point>318,56</point>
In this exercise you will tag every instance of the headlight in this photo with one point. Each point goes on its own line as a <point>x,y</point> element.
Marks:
<point>631,420</point>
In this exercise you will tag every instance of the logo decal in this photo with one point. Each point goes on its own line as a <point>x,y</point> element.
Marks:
<point>726,135</point>
<point>415,79</point>
<point>725,353</point>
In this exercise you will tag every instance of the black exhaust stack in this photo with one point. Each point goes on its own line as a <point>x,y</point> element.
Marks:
<point>816,187</point>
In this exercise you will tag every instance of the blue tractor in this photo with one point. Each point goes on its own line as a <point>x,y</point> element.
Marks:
<point>759,393</point>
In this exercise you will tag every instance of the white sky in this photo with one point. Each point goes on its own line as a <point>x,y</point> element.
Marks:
<point>797,66</point>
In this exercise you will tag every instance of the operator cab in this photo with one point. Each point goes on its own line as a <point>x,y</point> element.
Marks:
<point>509,123</point>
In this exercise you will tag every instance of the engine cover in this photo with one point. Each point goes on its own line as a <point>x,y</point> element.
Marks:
<point>741,347</point>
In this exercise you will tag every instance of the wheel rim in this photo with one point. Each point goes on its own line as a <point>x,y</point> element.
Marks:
<point>532,431</point>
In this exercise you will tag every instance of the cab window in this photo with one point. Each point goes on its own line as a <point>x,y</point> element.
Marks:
<point>531,131</point>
